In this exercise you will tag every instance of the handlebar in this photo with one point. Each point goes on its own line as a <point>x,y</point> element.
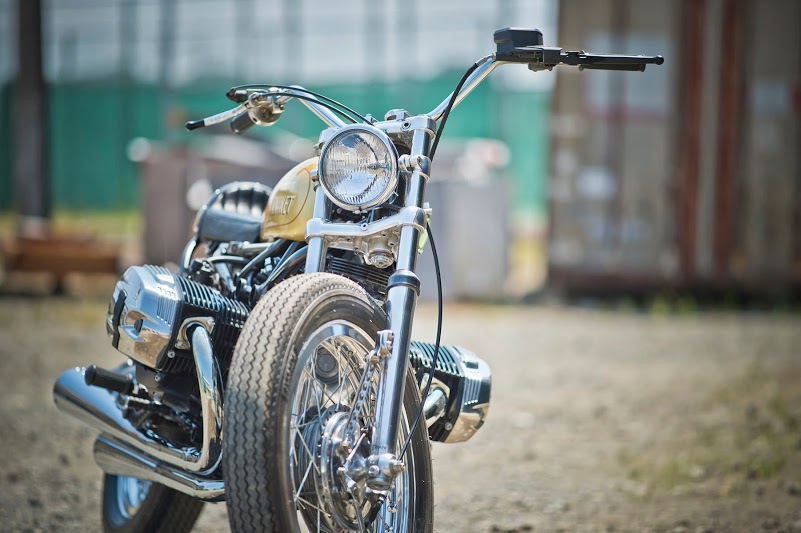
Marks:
<point>547,57</point>
<point>524,45</point>
<point>485,65</point>
<point>264,105</point>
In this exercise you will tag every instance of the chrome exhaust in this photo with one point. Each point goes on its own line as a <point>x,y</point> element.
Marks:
<point>113,457</point>
<point>103,411</point>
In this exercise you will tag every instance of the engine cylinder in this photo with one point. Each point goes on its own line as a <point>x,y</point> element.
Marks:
<point>465,379</point>
<point>149,313</point>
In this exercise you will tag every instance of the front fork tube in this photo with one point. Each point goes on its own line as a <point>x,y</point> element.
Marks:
<point>404,288</point>
<point>315,255</point>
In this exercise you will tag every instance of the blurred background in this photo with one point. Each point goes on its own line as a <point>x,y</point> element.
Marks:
<point>685,177</point>
<point>664,204</point>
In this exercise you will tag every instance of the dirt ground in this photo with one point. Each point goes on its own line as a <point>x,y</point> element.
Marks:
<point>600,421</point>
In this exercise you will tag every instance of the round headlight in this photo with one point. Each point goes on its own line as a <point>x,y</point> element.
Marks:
<point>359,167</point>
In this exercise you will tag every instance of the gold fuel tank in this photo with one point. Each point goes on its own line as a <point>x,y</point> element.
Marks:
<point>291,204</point>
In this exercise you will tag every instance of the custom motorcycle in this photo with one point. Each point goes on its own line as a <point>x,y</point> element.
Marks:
<point>275,370</point>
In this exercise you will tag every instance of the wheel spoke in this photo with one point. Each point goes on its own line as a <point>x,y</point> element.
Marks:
<point>310,505</point>
<point>308,451</point>
<point>305,477</point>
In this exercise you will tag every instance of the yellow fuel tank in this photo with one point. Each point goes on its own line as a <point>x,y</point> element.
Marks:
<point>291,204</point>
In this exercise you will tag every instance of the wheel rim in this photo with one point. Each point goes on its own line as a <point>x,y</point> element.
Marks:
<point>131,492</point>
<point>326,379</point>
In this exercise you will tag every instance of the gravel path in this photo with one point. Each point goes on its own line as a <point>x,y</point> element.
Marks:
<point>600,421</point>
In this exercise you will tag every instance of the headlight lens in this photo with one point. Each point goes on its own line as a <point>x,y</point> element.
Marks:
<point>359,167</point>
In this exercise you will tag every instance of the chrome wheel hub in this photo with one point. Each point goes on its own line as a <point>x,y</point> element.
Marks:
<point>131,492</point>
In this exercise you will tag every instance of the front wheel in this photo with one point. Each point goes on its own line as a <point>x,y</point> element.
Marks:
<point>295,375</point>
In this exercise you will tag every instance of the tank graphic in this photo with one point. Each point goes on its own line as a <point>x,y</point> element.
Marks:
<point>291,204</point>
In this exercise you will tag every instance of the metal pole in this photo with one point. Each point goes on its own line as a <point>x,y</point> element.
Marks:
<point>244,37</point>
<point>128,34</point>
<point>167,53</point>
<point>375,48</point>
<point>293,39</point>
<point>31,156</point>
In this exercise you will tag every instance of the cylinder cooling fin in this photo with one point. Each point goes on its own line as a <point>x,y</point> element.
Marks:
<point>465,379</point>
<point>151,309</point>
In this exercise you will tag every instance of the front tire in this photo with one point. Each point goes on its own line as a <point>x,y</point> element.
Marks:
<point>131,505</point>
<point>295,369</point>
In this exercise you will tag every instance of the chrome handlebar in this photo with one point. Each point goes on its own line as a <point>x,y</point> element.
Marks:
<point>485,65</point>
<point>269,99</point>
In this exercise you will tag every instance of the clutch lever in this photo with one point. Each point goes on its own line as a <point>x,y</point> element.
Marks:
<point>256,107</point>
<point>215,119</point>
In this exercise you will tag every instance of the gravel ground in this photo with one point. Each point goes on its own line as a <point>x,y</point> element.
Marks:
<point>600,421</point>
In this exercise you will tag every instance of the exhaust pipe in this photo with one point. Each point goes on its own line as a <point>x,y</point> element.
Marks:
<point>101,410</point>
<point>116,458</point>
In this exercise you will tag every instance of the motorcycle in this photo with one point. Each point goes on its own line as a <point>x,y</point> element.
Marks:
<point>275,370</point>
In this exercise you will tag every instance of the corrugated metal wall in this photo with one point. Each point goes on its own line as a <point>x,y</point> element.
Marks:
<point>686,175</point>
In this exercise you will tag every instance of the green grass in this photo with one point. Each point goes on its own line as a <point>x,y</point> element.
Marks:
<point>746,430</point>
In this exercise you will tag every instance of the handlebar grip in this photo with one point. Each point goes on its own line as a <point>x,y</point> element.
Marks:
<point>633,67</point>
<point>194,124</point>
<point>242,122</point>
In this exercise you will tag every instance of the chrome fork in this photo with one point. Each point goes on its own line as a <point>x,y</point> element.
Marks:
<point>402,294</point>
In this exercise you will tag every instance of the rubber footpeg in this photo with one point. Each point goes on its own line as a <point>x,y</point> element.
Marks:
<point>109,380</point>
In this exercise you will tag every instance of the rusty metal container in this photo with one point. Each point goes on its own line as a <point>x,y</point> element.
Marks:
<point>687,175</point>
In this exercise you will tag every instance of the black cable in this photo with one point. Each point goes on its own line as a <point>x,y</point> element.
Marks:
<point>279,246</point>
<point>312,93</point>
<point>448,111</point>
<point>435,359</point>
<point>436,343</point>
<point>326,104</point>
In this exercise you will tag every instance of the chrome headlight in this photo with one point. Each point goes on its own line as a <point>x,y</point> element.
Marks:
<point>359,167</point>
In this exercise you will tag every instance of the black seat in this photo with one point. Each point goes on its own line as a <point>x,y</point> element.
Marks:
<point>233,213</point>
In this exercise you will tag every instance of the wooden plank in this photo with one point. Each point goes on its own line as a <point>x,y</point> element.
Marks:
<point>61,255</point>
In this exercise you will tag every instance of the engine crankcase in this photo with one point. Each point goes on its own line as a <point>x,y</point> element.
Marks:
<point>150,311</point>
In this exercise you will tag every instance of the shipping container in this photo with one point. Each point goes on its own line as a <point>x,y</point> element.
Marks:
<point>687,175</point>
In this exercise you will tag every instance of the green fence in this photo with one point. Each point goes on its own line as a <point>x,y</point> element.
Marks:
<point>92,123</point>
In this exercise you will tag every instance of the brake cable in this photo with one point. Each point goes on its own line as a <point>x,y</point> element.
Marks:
<point>447,112</point>
<point>436,343</point>
<point>437,272</point>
